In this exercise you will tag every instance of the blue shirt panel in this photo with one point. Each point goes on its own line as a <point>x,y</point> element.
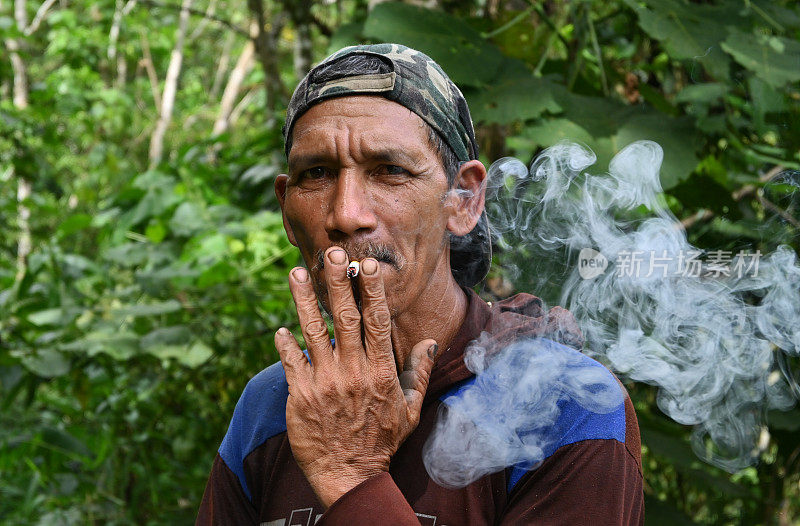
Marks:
<point>574,423</point>
<point>260,414</point>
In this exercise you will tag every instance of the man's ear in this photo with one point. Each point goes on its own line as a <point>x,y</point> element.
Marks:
<point>280,193</point>
<point>467,196</point>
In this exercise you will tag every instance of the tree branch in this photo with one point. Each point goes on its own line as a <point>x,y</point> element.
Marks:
<point>324,29</point>
<point>210,10</point>
<point>231,92</point>
<point>113,34</point>
<point>241,105</point>
<point>222,66</point>
<point>740,194</point>
<point>267,49</point>
<point>147,62</point>
<point>170,87</point>
<point>21,15</point>
<point>24,186</point>
<point>37,19</point>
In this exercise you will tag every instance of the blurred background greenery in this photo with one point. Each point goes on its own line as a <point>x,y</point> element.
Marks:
<point>142,257</point>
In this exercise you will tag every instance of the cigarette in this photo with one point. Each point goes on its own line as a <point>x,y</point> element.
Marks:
<point>352,269</point>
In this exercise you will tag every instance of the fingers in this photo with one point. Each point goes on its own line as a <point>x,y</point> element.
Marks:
<point>315,331</point>
<point>346,318</point>
<point>292,358</point>
<point>416,373</point>
<point>375,314</point>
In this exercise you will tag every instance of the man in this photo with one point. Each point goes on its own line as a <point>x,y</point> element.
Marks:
<point>383,170</point>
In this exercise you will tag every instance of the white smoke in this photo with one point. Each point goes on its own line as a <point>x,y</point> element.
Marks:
<point>713,338</point>
<point>490,425</point>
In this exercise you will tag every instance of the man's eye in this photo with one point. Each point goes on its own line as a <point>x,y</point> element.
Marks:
<point>392,169</point>
<point>317,172</point>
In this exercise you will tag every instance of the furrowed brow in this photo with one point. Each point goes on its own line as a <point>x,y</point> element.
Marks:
<point>303,161</point>
<point>392,156</point>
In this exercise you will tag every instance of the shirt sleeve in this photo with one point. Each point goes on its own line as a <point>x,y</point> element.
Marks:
<point>224,501</point>
<point>589,482</point>
<point>376,501</point>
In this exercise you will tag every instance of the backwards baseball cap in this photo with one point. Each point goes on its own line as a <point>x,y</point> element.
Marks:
<point>411,79</point>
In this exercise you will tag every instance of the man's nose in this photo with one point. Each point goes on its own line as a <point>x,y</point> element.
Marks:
<point>351,210</point>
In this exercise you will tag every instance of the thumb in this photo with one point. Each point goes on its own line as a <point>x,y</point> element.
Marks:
<point>416,373</point>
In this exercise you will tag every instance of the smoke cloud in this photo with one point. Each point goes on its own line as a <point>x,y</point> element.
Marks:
<point>488,426</point>
<point>712,337</point>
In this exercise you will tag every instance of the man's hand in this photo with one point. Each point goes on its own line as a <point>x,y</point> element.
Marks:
<point>349,412</point>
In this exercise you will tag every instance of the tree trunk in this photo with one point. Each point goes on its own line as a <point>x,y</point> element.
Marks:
<point>20,100</point>
<point>267,49</point>
<point>231,92</point>
<point>170,87</point>
<point>300,12</point>
<point>222,66</point>
<point>20,74</point>
<point>113,38</point>
<point>149,67</point>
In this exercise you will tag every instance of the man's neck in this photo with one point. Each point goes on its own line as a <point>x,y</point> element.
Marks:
<point>439,315</point>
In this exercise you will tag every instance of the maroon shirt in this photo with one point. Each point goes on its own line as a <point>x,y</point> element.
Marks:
<point>594,477</point>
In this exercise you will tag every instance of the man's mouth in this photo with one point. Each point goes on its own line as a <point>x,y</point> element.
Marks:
<point>378,251</point>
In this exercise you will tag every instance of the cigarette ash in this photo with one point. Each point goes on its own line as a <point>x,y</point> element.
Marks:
<point>352,269</point>
<point>712,344</point>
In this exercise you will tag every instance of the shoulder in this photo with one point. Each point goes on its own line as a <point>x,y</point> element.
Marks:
<point>259,415</point>
<point>547,396</point>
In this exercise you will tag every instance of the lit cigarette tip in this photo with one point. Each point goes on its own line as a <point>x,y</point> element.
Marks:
<point>352,269</point>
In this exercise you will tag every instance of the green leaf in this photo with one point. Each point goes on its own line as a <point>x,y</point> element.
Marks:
<point>678,451</point>
<point>544,134</point>
<point>676,136</point>
<point>516,100</point>
<point>774,59</point>
<point>547,133</point>
<point>74,223</point>
<point>600,117</point>
<point>47,317</point>
<point>127,254</point>
<point>785,420</point>
<point>348,34</point>
<point>179,335</point>
<point>661,513</point>
<point>218,273</point>
<point>187,220</point>
<point>65,442</point>
<point>148,309</point>
<point>48,363</point>
<point>120,345</point>
<point>173,343</point>
<point>690,32</point>
<point>722,484</point>
<point>155,232</point>
<point>105,217</point>
<point>703,93</point>
<point>197,354</point>
<point>466,57</point>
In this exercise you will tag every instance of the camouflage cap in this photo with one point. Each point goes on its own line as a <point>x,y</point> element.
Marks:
<point>414,80</point>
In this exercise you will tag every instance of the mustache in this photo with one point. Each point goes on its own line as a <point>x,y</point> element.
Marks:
<point>360,251</point>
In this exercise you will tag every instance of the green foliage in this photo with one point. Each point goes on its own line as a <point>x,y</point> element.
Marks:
<point>151,292</point>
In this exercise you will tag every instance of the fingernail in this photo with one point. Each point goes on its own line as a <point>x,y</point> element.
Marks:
<point>433,350</point>
<point>369,266</point>
<point>337,256</point>
<point>300,275</point>
<point>283,331</point>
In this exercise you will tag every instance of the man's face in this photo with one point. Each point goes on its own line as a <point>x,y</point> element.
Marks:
<point>363,176</point>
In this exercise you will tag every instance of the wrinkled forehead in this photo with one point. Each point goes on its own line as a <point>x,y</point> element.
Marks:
<point>361,124</point>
